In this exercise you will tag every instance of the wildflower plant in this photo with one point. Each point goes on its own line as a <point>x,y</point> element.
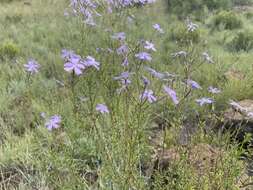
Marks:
<point>110,89</point>
<point>31,67</point>
<point>53,122</point>
<point>123,89</point>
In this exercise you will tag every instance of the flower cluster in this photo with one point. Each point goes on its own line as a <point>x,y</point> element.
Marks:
<point>127,3</point>
<point>143,56</point>
<point>205,100</point>
<point>86,9</point>
<point>76,64</point>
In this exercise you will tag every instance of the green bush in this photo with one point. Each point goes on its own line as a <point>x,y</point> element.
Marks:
<point>227,20</point>
<point>9,50</point>
<point>16,18</point>
<point>216,4</point>
<point>243,41</point>
<point>242,2</point>
<point>185,7</point>
<point>248,15</point>
<point>181,35</point>
<point>198,7</point>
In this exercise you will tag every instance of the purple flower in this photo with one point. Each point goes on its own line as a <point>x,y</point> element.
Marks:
<point>143,56</point>
<point>86,9</point>
<point>32,66</point>
<point>214,90</point>
<point>171,93</point>
<point>122,50</point>
<point>158,28</point>
<point>53,122</point>
<point>150,1</point>
<point>124,77</point>
<point>98,50</point>
<point>119,36</point>
<point>127,3</point>
<point>73,65</point>
<point>145,80</point>
<point>154,73</point>
<point>148,95</point>
<point>91,62</point>
<point>67,54</point>
<point>203,101</point>
<point>193,84</point>
<point>102,108</point>
<point>250,114</point>
<point>149,46</point>
<point>125,62</point>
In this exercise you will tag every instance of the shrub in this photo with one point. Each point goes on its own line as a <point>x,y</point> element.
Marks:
<point>243,41</point>
<point>185,7</point>
<point>248,15</point>
<point>216,4</point>
<point>9,50</point>
<point>228,20</point>
<point>181,35</point>
<point>198,7</point>
<point>16,18</point>
<point>242,2</point>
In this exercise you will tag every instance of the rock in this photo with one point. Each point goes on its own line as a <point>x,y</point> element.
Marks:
<point>240,111</point>
<point>245,182</point>
<point>204,158</point>
<point>201,156</point>
<point>162,156</point>
<point>239,118</point>
<point>243,8</point>
<point>234,75</point>
<point>165,157</point>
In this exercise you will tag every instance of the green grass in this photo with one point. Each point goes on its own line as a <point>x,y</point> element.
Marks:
<point>115,145</point>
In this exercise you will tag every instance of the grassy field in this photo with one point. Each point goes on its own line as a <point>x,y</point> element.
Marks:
<point>93,126</point>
